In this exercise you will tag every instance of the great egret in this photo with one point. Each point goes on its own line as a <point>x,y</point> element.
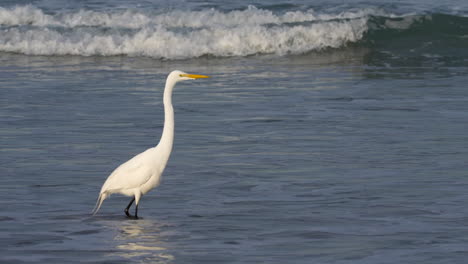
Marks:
<point>143,172</point>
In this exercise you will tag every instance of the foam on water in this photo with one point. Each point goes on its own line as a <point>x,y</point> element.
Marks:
<point>181,34</point>
<point>130,18</point>
<point>177,34</point>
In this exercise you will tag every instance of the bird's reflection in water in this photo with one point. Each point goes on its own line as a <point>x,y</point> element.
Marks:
<point>141,240</point>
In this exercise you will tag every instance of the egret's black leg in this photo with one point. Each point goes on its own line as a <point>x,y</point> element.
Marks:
<point>136,211</point>
<point>128,207</point>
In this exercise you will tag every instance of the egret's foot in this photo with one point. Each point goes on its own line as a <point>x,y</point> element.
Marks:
<point>131,216</point>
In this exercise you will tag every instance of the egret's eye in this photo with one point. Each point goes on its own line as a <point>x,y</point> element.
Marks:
<point>180,75</point>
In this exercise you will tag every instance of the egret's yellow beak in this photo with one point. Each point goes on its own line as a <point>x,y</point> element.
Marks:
<point>194,76</point>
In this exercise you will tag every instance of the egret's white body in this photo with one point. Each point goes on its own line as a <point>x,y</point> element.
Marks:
<point>143,172</point>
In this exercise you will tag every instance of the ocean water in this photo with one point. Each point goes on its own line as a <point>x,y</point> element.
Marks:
<point>330,132</point>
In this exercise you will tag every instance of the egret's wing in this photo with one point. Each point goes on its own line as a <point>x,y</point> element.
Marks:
<point>130,174</point>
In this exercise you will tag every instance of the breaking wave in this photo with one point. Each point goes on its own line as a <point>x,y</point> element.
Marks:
<point>187,34</point>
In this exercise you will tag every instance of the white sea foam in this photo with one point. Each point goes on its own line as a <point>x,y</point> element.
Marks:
<point>177,34</point>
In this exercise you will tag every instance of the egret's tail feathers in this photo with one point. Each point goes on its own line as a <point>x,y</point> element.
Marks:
<point>99,201</point>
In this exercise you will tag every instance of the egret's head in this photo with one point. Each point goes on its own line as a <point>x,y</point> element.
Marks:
<point>182,76</point>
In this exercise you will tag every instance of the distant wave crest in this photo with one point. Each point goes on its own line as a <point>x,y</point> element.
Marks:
<point>182,34</point>
<point>175,34</point>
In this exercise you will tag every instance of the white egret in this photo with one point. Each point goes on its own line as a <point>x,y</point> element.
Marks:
<point>143,172</point>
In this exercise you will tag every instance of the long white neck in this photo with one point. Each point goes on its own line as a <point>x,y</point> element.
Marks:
<point>167,137</point>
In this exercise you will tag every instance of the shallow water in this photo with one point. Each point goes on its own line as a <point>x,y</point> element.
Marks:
<point>349,155</point>
<point>317,163</point>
